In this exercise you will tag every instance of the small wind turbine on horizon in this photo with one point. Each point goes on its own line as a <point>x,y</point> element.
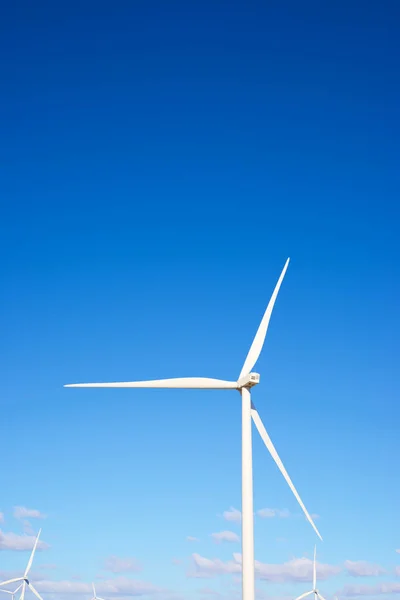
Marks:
<point>245,382</point>
<point>317,595</point>
<point>24,580</point>
<point>94,594</point>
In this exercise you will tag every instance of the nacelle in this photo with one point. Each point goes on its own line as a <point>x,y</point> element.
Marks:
<point>248,381</point>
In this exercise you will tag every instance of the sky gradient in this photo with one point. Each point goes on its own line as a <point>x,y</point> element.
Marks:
<point>160,161</point>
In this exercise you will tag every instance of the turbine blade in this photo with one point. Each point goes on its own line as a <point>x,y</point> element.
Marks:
<point>22,596</point>
<point>12,580</point>
<point>94,591</point>
<point>267,441</point>
<point>35,591</point>
<point>315,568</point>
<point>7,592</point>
<point>258,342</point>
<point>176,383</point>
<point>304,595</point>
<point>319,596</point>
<point>28,568</point>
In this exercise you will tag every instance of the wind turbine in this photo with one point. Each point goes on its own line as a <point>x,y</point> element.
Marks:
<point>317,595</point>
<point>245,382</point>
<point>24,580</point>
<point>12,593</point>
<point>94,594</point>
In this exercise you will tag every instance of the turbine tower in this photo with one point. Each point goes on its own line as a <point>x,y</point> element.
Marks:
<point>24,580</point>
<point>317,595</point>
<point>245,382</point>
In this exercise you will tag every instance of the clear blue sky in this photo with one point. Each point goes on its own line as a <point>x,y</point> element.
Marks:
<point>160,161</point>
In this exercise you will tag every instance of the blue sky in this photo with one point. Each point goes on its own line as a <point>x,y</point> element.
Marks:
<point>160,163</point>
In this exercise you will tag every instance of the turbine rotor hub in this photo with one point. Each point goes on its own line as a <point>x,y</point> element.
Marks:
<point>248,381</point>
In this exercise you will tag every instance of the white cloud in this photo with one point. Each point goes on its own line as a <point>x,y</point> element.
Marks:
<point>1,517</point>
<point>370,590</point>
<point>225,536</point>
<point>177,561</point>
<point>121,565</point>
<point>207,567</point>
<point>21,512</point>
<point>397,571</point>
<point>233,514</point>
<point>13,541</point>
<point>398,551</point>
<point>270,513</point>
<point>297,569</point>
<point>111,587</point>
<point>362,568</point>
<point>190,538</point>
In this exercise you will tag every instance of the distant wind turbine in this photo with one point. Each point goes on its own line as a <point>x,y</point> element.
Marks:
<point>245,382</point>
<point>317,595</point>
<point>94,594</point>
<point>12,593</point>
<point>24,580</point>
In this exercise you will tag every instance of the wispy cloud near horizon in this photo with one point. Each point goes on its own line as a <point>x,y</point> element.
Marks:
<point>233,514</point>
<point>225,536</point>
<point>21,512</point>
<point>14,541</point>
<point>362,568</point>
<point>271,513</point>
<point>297,569</point>
<point>120,586</point>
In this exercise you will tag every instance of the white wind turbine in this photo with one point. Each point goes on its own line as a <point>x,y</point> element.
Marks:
<point>94,594</point>
<point>12,593</point>
<point>245,382</point>
<point>317,595</point>
<point>24,580</point>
